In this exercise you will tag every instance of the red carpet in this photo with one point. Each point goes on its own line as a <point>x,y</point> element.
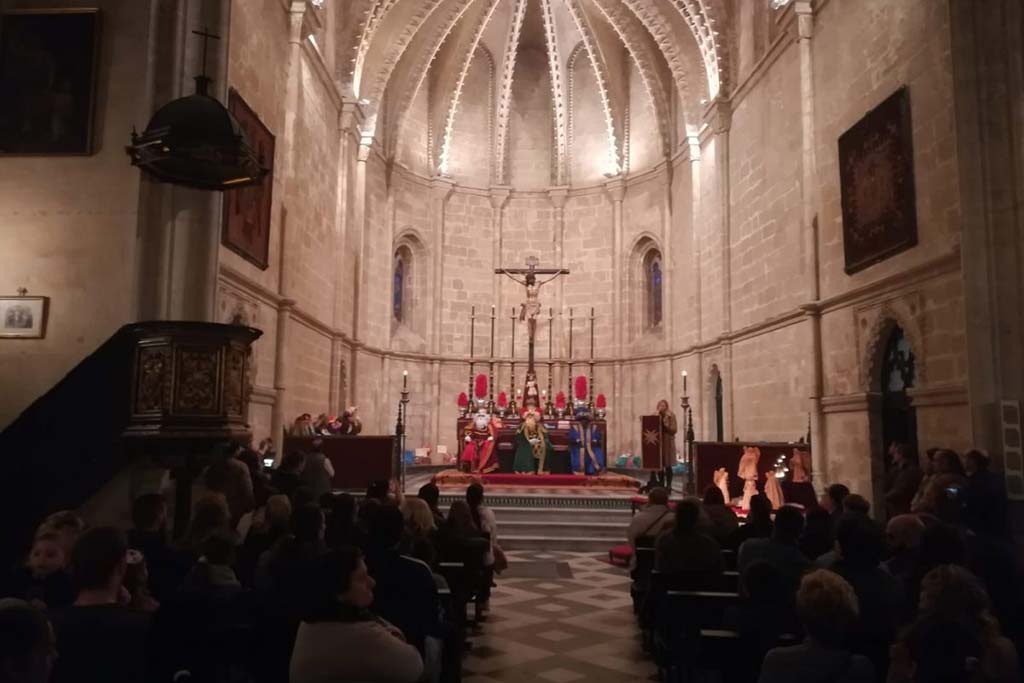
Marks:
<point>607,480</point>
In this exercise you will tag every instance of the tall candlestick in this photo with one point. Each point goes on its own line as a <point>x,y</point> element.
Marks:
<point>684,382</point>
<point>405,379</point>
<point>472,350</point>
<point>591,334</point>
<point>490,378</point>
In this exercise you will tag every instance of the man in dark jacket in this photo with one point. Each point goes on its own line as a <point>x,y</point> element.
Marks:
<point>902,480</point>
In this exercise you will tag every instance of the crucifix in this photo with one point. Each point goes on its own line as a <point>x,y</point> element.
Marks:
<point>530,309</point>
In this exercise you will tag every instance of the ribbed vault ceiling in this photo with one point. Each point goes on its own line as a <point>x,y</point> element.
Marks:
<point>388,49</point>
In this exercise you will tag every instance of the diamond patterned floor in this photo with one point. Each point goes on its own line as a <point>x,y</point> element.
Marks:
<point>560,630</point>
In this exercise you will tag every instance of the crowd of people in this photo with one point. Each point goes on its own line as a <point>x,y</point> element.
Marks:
<point>929,597</point>
<point>274,580</point>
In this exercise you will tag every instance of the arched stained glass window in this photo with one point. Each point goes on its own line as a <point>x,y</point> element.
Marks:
<point>653,286</point>
<point>398,291</point>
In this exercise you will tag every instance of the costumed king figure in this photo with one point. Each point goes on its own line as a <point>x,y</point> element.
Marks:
<point>586,445</point>
<point>478,450</point>
<point>532,445</point>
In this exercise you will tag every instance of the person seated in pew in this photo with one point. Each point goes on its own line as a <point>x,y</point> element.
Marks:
<point>340,639</point>
<point>685,550</point>
<point>759,520</point>
<point>27,648</point>
<point>766,612</point>
<point>722,522</point>
<point>781,550</point>
<point>652,520</point>
<point>827,608</point>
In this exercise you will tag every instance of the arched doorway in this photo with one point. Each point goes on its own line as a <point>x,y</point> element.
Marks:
<point>899,373</point>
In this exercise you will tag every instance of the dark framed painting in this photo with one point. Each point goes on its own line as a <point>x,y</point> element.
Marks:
<point>48,65</point>
<point>876,174</point>
<point>246,229</point>
<point>23,317</point>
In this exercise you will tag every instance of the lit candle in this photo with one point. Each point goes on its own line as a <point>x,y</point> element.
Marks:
<point>684,382</point>
<point>405,379</point>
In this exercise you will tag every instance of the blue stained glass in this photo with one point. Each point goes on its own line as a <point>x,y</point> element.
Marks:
<point>399,289</point>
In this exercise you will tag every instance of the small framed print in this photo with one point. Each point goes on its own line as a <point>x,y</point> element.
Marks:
<point>23,317</point>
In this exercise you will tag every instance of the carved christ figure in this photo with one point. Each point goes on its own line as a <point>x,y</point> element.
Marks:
<point>531,308</point>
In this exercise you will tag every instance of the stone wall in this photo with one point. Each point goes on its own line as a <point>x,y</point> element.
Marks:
<point>69,223</point>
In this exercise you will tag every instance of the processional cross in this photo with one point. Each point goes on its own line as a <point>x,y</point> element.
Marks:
<point>531,308</point>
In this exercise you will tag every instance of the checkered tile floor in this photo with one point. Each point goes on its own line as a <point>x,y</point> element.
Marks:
<point>559,630</point>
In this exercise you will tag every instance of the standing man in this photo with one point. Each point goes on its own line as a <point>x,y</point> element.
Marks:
<point>902,480</point>
<point>669,427</point>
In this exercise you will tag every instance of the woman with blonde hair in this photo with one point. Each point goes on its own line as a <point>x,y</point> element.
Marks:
<point>828,610</point>
<point>419,520</point>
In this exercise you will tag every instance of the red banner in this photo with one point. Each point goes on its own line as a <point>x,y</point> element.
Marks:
<point>650,437</point>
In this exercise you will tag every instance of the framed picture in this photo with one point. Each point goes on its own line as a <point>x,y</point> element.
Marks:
<point>23,317</point>
<point>48,65</point>
<point>876,173</point>
<point>246,228</point>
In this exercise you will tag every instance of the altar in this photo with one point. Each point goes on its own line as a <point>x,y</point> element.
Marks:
<point>506,428</point>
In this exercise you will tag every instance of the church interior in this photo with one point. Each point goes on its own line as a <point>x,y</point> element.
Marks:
<point>596,256</point>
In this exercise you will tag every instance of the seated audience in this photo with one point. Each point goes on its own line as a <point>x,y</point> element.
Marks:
<point>432,496</point>
<point>318,472</point>
<point>273,524</point>
<point>281,568</point>
<point>406,593</point>
<point>373,650</point>
<point>955,636</point>
<point>827,608</point>
<point>212,576</point>
<point>229,475</point>
<point>984,497</point>
<point>43,580</point>
<point>253,461</point>
<point>67,525</point>
<point>419,539</point>
<point>833,499</point>
<point>287,478</point>
<point>210,515</point>
<point>459,530</point>
<point>903,538</point>
<point>687,552</point>
<point>342,528</point>
<point>100,639</point>
<point>861,545</point>
<point>817,538</point>
<point>485,521</point>
<point>902,480</point>
<point>165,566</point>
<point>759,520</point>
<point>722,521</point>
<point>854,505</point>
<point>948,474</point>
<point>136,583</point>
<point>27,648</point>
<point>765,613</point>
<point>654,518</point>
<point>781,550</point>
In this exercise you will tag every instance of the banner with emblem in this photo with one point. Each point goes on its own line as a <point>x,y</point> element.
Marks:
<point>651,436</point>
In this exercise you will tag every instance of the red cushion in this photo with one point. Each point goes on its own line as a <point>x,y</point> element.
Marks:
<point>624,551</point>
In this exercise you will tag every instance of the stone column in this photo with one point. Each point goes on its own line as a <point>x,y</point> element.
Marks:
<point>499,200</point>
<point>809,226</point>
<point>719,117</point>
<point>616,189</point>
<point>987,55</point>
<point>440,191</point>
<point>350,119</point>
<point>558,197</point>
<point>179,228</point>
<point>693,144</point>
<point>357,243</point>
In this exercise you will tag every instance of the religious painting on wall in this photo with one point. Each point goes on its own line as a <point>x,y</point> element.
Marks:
<point>246,228</point>
<point>876,170</point>
<point>48,66</point>
<point>23,317</point>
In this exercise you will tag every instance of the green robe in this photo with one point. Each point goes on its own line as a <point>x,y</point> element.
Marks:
<point>528,456</point>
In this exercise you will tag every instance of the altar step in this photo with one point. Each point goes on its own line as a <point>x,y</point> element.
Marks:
<point>573,529</point>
